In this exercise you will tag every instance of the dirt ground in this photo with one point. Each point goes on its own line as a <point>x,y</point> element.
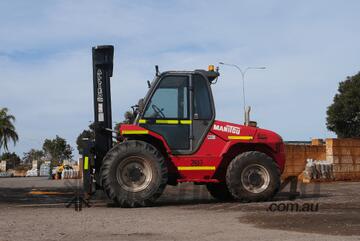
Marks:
<point>34,209</point>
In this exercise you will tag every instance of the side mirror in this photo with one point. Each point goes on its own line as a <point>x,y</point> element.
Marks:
<point>141,105</point>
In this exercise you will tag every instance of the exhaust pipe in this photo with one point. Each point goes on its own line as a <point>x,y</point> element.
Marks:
<point>247,115</point>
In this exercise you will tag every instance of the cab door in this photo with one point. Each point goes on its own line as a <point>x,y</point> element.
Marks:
<point>167,112</point>
<point>203,109</point>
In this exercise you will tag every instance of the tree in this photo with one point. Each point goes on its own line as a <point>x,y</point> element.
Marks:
<point>81,141</point>
<point>12,160</point>
<point>343,116</point>
<point>89,134</point>
<point>57,150</point>
<point>33,155</point>
<point>7,129</point>
<point>129,117</point>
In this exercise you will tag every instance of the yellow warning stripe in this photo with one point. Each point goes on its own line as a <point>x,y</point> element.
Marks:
<point>196,168</point>
<point>186,122</point>
<point>86,163</point>
<point>134,132</point>
<point>171,122</point>
<point>48,193</point>
<point>240,137</point>
<point>168,122</point>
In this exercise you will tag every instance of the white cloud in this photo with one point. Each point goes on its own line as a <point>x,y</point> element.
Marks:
<point>45,58</point>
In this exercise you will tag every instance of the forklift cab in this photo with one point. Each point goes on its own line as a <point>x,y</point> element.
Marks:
<point>179,106</point>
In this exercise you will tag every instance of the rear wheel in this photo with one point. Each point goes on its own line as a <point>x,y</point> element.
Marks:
<point>219,191</point>
<point>133,174</point>
<point>253,176</point>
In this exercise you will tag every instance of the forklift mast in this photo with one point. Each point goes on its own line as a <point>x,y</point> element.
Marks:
<point>102,57</point>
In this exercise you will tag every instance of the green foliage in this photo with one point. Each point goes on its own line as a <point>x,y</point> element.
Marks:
<point>33,155</point>
<point>129,117</point>
<point>117,129</point>
<point>343,116</point>
<point>57,150</point>
<point>89,134</point>
<point>12,160</point>
<point>81,140</point>
<point>7,129</point>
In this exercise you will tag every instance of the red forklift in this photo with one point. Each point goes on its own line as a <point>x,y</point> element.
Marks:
<point>175,138</point>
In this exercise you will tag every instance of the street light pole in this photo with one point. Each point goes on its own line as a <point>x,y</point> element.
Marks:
<point>243,73</point>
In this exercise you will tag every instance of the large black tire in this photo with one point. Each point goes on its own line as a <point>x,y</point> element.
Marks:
<point>134,174</point>
<point>253,176</point>
<point>219,191</point>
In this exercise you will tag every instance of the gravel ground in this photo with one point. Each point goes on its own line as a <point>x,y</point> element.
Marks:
<point>34,209</point>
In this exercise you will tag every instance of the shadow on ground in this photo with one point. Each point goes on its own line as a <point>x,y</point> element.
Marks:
<point>338,212</point>
<point>37,190</point>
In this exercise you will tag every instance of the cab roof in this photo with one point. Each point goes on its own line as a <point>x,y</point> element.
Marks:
<point>210,75</point>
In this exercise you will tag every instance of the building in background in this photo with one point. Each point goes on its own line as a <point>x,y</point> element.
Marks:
<point>34,164</point>
<point>45,169</point>
<point>3,166</point>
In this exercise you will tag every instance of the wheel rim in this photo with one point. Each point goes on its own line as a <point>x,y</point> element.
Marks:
<point>255,178</point>
<point>134,174</point>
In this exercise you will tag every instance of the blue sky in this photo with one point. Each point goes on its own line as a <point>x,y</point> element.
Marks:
<point>45,58</point>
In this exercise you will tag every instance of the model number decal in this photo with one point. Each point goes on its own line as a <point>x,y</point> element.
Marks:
<point>227,128</point>
<point>99,86</point>
<point>100,95</point>
<point>196,162</point>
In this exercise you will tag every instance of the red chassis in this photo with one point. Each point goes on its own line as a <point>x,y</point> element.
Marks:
<point>222,143</point>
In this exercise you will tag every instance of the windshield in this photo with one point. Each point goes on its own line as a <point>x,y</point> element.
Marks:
<point>170,99</point>
<point>150,89</point>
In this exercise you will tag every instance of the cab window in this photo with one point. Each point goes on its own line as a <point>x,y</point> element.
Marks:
<point>202,102</point>
<point>170,100</point>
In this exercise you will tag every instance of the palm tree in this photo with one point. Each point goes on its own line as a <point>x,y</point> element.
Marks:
<point>7,129</point>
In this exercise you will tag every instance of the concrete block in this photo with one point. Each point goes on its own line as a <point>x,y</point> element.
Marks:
<point>355,151</point>
<point>349,142</point>
<point>356,159</point>
<point>349,168</point>
<point>333,159</point>
<point>317,142</point>
<point>331,142</point>
<point>343,176</point>
<point>346,159</point>
<point>329,150</point>
<point>344,151</point>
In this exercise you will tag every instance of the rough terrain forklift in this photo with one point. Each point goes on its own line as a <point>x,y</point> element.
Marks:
<point>175,138</point>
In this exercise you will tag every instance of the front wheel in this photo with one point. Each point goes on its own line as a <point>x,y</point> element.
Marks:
<point>133,174</point>
<point>253,176</point>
